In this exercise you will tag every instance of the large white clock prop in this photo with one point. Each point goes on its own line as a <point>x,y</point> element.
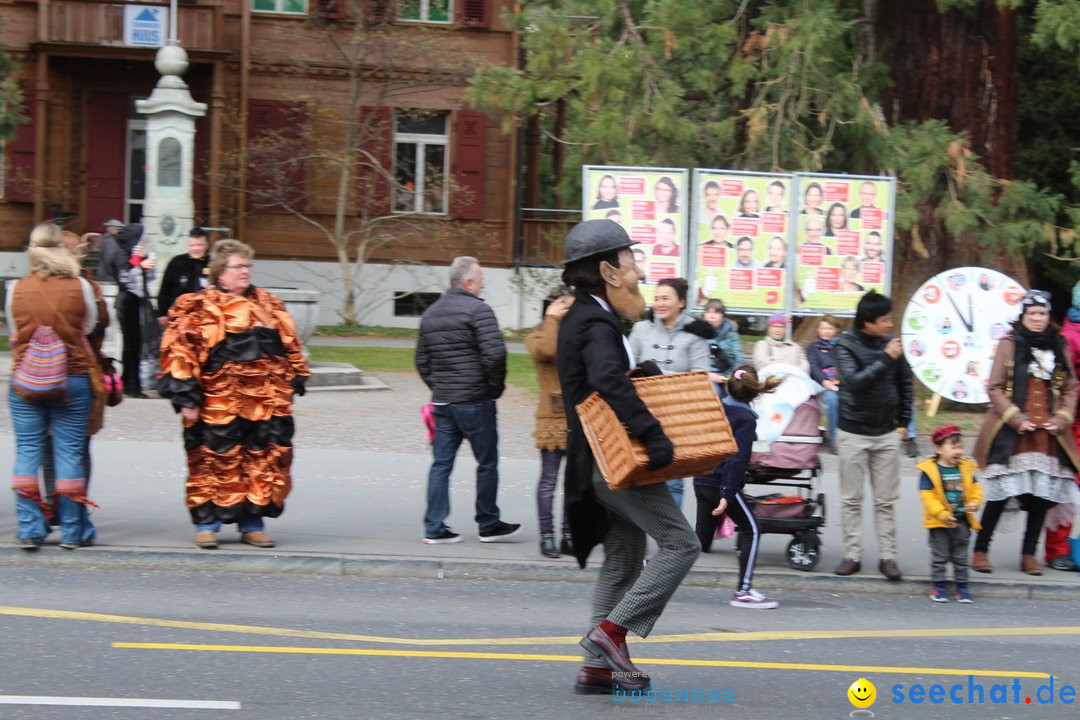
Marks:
<point>952,326</point>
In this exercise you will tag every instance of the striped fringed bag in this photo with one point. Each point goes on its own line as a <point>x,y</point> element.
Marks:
<point>41,375</point>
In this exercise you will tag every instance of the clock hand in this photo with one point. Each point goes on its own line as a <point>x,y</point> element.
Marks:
<point>959,314</point>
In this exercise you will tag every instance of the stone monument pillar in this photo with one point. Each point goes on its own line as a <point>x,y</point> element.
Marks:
<point>169,209</point>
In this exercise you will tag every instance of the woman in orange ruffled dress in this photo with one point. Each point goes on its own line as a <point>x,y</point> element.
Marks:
<point>231,363</point>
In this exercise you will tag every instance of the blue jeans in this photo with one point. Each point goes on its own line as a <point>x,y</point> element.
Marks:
<point>475,422</point>
<point>545,492</point>
<point>68,425</point>
<point>830,399</point>
<point>246,524</point>
<point>676,487</point>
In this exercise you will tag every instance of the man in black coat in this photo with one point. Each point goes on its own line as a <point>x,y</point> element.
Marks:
<point>184,273</point>
<point>875,409</point>
<point>461,356</point>
<point>593,355</point>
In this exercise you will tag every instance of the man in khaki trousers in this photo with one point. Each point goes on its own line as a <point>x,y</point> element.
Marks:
<point>875,409</point>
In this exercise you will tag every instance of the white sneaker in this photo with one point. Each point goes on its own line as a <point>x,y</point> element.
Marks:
<point>752,599</point>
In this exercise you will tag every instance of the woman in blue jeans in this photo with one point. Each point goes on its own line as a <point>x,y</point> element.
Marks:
<point>823,370</point>
<point>52,295</point>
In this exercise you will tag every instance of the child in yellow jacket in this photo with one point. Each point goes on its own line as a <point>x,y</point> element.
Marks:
<point>951,496</point>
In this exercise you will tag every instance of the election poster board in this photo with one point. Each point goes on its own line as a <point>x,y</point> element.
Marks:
<point>653,205</point>
<point>843,241</point>
<point>952,326</point>
<point>741,240</point>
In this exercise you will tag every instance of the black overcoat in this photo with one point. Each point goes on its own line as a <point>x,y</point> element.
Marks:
<point>591,356</point>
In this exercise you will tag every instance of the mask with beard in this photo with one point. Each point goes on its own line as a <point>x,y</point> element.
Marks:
<point>623,293</point>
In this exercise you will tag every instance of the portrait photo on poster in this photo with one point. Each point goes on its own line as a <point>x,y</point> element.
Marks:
<point>843,240</point>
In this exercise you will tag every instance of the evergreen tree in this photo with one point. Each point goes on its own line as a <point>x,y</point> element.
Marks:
<point>799,85</point>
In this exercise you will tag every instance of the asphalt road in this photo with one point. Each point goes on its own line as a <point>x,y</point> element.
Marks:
<point>287,647</point>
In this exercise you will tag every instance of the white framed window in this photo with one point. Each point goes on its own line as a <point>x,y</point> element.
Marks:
<point>292,7</point>
<point>421,161</point>
<point>431,11</point>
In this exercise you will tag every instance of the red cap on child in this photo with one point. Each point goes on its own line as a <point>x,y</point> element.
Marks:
<point>943,433</point>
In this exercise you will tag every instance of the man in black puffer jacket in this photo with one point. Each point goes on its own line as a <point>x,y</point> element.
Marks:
<point>461,356</point>
<point>875,408</point>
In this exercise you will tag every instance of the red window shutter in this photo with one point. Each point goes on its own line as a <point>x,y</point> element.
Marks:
<point>275,140</point>
<point>375,161</point>
<point>106,171</point>
<point>469,145</point>
<point>379,11</point>
<point>474,13</point>
<point>328,9</point>
<point>20,181</point>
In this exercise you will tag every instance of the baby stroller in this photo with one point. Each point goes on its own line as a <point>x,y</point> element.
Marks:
<point>786,456</point>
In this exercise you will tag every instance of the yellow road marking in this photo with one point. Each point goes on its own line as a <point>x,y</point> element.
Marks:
<point>542,640</point>
<point>537,657</point>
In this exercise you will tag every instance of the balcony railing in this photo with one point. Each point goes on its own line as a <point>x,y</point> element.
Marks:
<point>200,27</point>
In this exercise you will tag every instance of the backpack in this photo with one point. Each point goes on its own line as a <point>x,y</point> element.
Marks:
<point>41,375</point>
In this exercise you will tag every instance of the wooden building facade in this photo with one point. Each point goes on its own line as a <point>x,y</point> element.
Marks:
<point>297,90</point>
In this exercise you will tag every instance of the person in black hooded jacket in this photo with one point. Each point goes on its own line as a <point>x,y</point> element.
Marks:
<point>875,409</point>
<point>127,263</point>
<point>184,273</point>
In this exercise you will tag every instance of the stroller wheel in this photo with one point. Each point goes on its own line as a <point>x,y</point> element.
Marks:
<point>804,551</point>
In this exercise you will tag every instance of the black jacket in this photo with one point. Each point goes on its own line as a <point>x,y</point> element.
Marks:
<point>591,356</point>
<point>875,388</point>
<point>461,354</point>
<point>181,277</point>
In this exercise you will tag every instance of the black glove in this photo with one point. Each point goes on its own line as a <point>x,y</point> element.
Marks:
<point>720,359</point>
<point>660,450</point>
<point>647,368</point>
<point>298,385</point>
<point>700,328</point>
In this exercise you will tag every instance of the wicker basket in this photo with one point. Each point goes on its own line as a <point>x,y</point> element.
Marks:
<point>692,417</point>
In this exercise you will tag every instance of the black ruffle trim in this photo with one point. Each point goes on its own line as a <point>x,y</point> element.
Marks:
<point>209,512</point>
<point>254,434</point>
<point>183,393</point>
<point>247,346</point>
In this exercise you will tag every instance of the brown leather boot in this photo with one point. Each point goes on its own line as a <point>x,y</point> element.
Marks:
<point>980,562</point>
<point>257,538</point>
<point>1030,565</point>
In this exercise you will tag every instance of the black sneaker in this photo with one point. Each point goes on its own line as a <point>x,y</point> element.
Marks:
<point>446,537</point>
<point>501,532</point>
<point>911,448</point>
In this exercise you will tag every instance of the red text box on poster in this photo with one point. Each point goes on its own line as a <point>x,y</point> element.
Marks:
<point>872,218</point>
<point>731,188</point>
<point>740,279</point>
<point>827,278</point>
<point>743,226</point>
<point>631,185</point>
<point>873,272</point>
<point>770,277</point>
<point>810,254</point>
<point>643,234</point>
<point>847,242</point>
<point>713,255</point>
<point>774,222</point>
<point>836,191</point>
<point>642,210</point>
<point>662,270</point>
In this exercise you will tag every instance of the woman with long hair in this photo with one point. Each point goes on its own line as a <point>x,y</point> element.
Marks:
<point>53,297</point>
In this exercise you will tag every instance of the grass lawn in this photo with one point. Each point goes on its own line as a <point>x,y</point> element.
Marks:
<point>5,344</point>
<point>519,370</point>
